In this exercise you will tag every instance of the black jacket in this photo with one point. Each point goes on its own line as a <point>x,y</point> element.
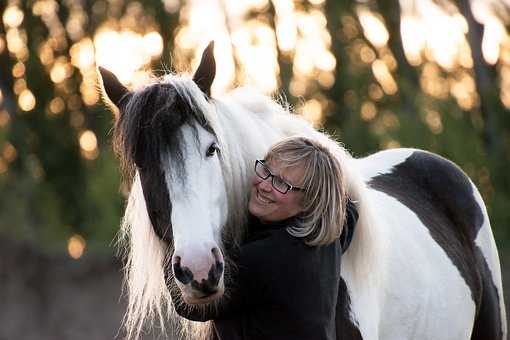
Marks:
<point>286,289</point>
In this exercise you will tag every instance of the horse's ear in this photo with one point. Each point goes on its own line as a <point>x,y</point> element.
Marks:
<point>204,75</point>
<point>113,88</point>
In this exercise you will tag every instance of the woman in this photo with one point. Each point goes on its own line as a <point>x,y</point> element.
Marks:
<point>288,272</point>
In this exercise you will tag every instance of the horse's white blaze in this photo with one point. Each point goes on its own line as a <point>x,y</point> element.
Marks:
<point>485,240</point>
<point>199,204</point>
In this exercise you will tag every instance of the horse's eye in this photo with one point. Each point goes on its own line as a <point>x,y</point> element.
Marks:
<point>213,148</point>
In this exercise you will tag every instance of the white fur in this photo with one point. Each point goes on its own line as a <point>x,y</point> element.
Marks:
<point>396,290</point>
<point>412,285</point>
<point>383,162</point>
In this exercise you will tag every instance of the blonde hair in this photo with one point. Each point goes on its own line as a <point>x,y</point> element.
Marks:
<point>324,201</point>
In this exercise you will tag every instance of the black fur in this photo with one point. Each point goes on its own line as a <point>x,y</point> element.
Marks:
<point>204,76</point>
<point>113,87</point>
<point>346,329</point>
<point>441,195</point>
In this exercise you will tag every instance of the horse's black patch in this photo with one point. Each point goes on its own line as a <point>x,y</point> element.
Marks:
<point>488,321</point>
<point>346,329</point>
<point>147,130</point>
<point>158,203</point>
<point>441,195</point>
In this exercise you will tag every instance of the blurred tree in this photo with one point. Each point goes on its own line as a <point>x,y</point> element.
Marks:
<point>55,184</point>
<point>408,79</point>
<point>345,61</point>
<point>414,115</point>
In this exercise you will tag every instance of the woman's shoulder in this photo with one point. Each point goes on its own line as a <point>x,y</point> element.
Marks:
<point>279,248</point>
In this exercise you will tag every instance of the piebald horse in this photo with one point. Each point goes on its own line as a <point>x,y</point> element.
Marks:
<point>422,264</point>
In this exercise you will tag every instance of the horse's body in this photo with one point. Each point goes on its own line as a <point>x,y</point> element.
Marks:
<point>422,263</point>
<point>438,276</point>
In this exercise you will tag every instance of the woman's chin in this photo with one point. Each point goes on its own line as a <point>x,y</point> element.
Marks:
<point>257,209</point>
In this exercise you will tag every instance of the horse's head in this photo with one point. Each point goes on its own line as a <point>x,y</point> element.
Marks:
<point>163,133</point>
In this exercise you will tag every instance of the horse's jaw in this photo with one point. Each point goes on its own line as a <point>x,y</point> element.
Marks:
<point>193,300</point>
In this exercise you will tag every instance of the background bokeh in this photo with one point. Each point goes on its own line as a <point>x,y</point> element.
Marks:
<point>376,74</point>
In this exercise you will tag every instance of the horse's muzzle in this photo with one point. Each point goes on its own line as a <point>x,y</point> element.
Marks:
<point>197,288</point>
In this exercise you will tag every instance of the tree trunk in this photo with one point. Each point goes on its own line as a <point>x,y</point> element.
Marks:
<point>496,124</point>
<point>334,10</point>
<point>167,25</point>
<point>485,78</point>
<point>284,65</point>
<point>408,78</point>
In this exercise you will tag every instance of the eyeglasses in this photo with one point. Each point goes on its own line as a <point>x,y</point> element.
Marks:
<point>277,182</point>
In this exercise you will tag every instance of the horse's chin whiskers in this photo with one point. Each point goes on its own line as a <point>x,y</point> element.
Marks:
<point>211,299</point>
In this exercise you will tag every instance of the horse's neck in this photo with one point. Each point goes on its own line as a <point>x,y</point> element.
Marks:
<point>365,261</point>
<point>248,124</point>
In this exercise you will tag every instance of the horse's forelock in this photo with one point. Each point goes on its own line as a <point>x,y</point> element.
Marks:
<point>150,127</point>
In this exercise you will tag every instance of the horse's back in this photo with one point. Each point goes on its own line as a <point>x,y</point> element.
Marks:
<point>449,206</point>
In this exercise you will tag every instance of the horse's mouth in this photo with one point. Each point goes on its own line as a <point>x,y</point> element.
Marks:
<point>195,293</point>
<point>197,298</point>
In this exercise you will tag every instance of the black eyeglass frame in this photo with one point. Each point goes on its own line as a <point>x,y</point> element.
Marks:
<point>290,187</point>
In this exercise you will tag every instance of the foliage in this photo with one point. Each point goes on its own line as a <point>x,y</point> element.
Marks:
<point>58,176</point>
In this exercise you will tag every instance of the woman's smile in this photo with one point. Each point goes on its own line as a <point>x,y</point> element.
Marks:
<point>263,199</point>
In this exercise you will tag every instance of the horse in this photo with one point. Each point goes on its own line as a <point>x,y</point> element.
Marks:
<point>422,263</point>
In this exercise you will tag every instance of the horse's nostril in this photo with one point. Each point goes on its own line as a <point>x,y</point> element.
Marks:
<point>216,270</point>
<point>217,254</point>
<point>214,275</point>
<point>182,274</point>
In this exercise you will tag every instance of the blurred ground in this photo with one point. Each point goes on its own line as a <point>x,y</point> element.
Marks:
<point>53,297</point>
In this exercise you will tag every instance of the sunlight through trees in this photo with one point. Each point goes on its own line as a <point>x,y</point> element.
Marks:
<point>376,74</point>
